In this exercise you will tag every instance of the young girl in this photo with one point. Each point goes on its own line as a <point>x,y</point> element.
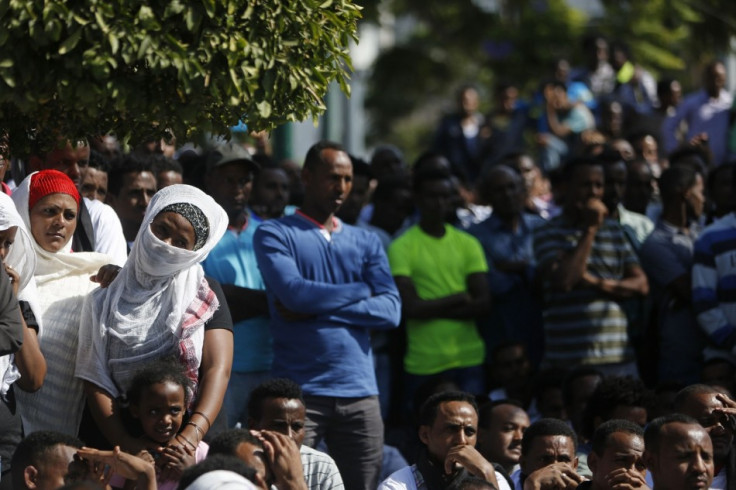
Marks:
<point>158,398</point>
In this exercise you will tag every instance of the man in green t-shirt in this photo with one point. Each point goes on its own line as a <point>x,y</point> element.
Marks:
<point>441,275</point>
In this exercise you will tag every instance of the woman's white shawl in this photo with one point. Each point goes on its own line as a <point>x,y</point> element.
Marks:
<point>138,318</point>
<point>22,258</point>
<point>62,282</point>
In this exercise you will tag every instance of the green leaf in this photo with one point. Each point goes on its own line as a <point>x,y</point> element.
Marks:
<point>71,42</point>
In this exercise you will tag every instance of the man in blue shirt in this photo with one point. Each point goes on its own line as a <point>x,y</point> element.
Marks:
<point>328,285</point>
<point>233,263</point>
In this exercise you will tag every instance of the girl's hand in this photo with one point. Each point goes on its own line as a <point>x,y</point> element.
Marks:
<point>174,459</point>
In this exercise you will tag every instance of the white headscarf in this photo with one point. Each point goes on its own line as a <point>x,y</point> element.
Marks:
<point>222,480</point>
<point>132,321</point>
<point>62,279</point>
<point>23,260</point>
<point>52,265</point>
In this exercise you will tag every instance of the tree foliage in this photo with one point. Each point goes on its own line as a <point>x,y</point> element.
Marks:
<point>93,66</point>
<point>516,41</point>
<point>457,42</point>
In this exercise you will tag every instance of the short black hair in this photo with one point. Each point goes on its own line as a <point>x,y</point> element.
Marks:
<point>471,483</point>
<point>98,161</point>
<point>360,167</point>
<point>653,431</point>
<point>571,166</point>
<point>547,427</point>
<point>162,163</point>
<point>429,175</point>
<point>612,392</point>
<point>695,389</point>
<point>388,185</point>
<point>676,179</point>
<point>428,412</point>
<point>213,463</point>
<point>167,369</point>
<point>314,154</point>
<point>485,412</point>
<point>130,163</point>
<point>699,157</point>
<point>227,442</point>
<point>601,434</point>
<point>34,451</point>
<point>569,381</point>
<point>273,388</point>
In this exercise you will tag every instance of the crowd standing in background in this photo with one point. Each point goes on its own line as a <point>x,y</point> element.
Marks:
<point>544,299</point>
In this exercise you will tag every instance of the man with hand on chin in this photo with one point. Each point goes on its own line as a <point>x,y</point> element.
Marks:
<point>586,267</point>
<point>448,428</point>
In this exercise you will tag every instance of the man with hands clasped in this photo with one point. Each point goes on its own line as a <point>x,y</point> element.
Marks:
<point>448,429</point>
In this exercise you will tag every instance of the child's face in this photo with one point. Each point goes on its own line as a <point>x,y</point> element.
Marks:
<point>161,410</point>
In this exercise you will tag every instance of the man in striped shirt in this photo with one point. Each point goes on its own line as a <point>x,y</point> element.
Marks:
<point>714,281</point>
<point>586,266</point>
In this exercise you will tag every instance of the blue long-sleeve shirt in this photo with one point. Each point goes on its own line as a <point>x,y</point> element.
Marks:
<point>345,287</point>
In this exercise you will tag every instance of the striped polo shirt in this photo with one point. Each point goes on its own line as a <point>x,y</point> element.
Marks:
<point>714,280</point>
<point>584,326</point>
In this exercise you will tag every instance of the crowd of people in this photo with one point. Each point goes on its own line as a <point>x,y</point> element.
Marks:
<point>543,300</point>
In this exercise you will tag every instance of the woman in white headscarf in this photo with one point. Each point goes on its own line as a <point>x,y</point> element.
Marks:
<point>160,304</point>
<point>26,368</point>
<point>48,203</point>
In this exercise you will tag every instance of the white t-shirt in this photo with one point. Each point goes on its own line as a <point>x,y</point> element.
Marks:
<point>109,238</point>
<point>404,480</point>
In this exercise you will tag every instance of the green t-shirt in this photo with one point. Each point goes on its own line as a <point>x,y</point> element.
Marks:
<point>439,267</point>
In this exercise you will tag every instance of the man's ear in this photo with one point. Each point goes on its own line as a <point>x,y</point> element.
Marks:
<point>30,476</point>
<point>575,462</point>
<point>424,434</point>
<point>593,461</point>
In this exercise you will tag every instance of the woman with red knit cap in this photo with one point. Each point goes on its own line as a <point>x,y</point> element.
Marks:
<point>48,203</point>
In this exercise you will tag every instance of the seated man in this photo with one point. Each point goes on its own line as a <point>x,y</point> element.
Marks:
<point>501,427</point>
<point>616,397</point>
<point>678,454</point>
<point>448,429</point>
<point>708,407</point>
<point>271,455</point>
<point>548,458</point>
<point>278,405</point>
<point>616,459</point>
<point>45,461</point>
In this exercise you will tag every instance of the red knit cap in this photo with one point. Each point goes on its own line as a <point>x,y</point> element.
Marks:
<point>48,182</point>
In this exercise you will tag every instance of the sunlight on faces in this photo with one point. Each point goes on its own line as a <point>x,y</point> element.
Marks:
<point>53,221</point>
<point>684,460</point>
<point>547,450</point>
<point>502,438</point>
<point>283,415</point>
<point>161,411</point>
<point>174,229</point>
<point>254,457</point>
<point>58,468</point>
<point>456,424</point>
<point>623,450</point>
